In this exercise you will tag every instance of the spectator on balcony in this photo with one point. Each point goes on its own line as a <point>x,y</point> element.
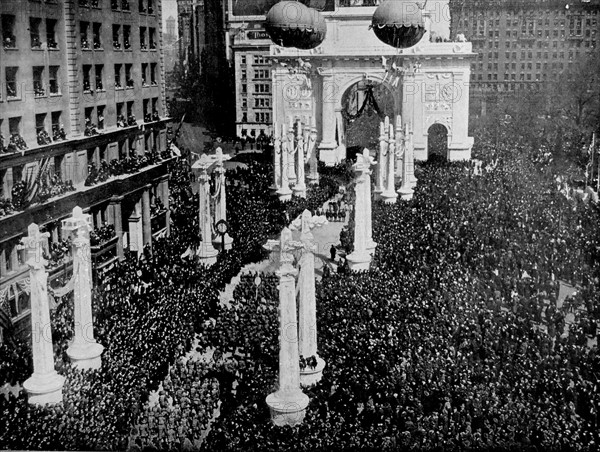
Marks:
<point>155,116</point>
<point>8,40</point>
<point>121,121</point>
<point>43,137</point>
<point>131,121</point>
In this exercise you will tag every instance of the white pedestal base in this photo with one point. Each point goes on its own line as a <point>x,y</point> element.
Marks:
<point>309,377</point>
<point>44,389</point>
<point>359,261</point>
<point>285,195</point>
<point>327,153</point>
<point>274,189</point>
<point>287,408</point>
<point>313,180</point>
<point>86,355</point>
<point>208,253</point>
<point>389,197</point>
<point>299,190</point>
<point>406,193</point>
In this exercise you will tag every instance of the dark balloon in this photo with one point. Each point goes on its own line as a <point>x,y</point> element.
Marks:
<point>399,23</point>
<point>292,24</point>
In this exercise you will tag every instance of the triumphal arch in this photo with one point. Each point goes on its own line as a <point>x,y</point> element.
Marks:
<point>428,81</point>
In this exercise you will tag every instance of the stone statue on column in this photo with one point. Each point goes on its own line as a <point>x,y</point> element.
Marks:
<point>307,310</point>
<point>45,385</point>
<point>221,207</point>
<point>84,351</point>
<point>300,186</point>
<point>410,147</point>
<point>360,258</point>
<point>287,404</point>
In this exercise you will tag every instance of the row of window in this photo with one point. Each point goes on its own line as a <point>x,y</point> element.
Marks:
<point>259,117</point>
<point>123,78</point>
<point>529,55</point>
<point>528,23</point>
<point>93,115</point>
<point>588,42</point>
<point>259,102</point>
<point>144,6</point>
<point>259,88</point>
<point>522,77</point>
<point>256,59</point>
<point>121,36</point>
<point>259,74</point>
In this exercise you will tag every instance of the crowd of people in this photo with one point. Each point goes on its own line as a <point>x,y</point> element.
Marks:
<point>454,340</point>
<point>147,313</point>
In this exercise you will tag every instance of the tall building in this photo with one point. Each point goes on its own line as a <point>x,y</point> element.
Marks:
<point>170,44</point>
<point>522,43</point>
<point>249,55</point>
<point>83,124</point>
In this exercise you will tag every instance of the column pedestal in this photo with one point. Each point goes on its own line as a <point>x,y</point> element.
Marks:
<point>310,377</point>
<point>44,389</point>
<point>86,355</point>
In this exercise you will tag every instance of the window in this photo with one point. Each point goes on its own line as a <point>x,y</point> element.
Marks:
<point>83,33</point>
<point>155,105</point>
<point>14,128</point>
<point>244,88</point>
<point>87,69</point>
<point>143,38</point>
<point>120,117</point>
<point>38,81</point>
<point>97,35</point>
<point>244,102</point>
<point>88,112</point>
<point>99,78</point>
<point>127,37</point>
<point>100,111</point>
<point>55,118</point>
<point>130,109</point>
<point>116,36</point>
<point>128,76</point>
<point>144,74</point>
<point>243,59</point>
<point>150,7</point>
<point>34,32</point>
<point>11,83</point>
<point>118,68</point>
<point>152,39</point>
<point>145,106</point>
<point>142,6</point>
<point>40,123</point>
<point>125,5</point>
<point>153,74</point>
<point>9,40</point>
<point>51,34</point>
<point>244,74</point>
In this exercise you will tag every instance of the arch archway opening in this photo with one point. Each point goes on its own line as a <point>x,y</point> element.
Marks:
<point>437,142</point>
<point>364,105</point>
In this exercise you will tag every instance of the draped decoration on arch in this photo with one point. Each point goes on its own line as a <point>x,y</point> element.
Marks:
<point>369,105</point>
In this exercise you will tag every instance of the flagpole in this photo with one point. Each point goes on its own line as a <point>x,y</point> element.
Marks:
<point>592,149</point>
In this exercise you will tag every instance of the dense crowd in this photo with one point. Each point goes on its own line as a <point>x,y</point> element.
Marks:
<point>146,314</point>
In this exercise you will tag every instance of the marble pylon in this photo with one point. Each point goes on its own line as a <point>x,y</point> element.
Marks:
<point>84,352</point>
<point>207,252</point>
<point>45,385</point>
<point>221,207</point>
<point>287,404</point>
<point>364,246</point>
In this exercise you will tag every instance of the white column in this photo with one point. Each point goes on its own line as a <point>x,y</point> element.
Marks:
<point>410,147</point>
<point>313,173</point>
<point>405,191</point>
<point>276,158</point>
<point>300,187</point>
<point>45,385</point>
<point>328,144</point>
<point>84,351</point>
<point>360,258</point>
<point>381,168</point>
<point>221,208</point>
<point>207,252</point>
<point>307,309</point>
<point>288,404</point>
<point>389,195</point>
<point>292,150</point>
<point>136,237</point>
<point>368,203</point>
<point>284,192</point>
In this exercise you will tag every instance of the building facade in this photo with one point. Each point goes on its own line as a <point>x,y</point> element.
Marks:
<point>521,43</point>
<point>83,124</point>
